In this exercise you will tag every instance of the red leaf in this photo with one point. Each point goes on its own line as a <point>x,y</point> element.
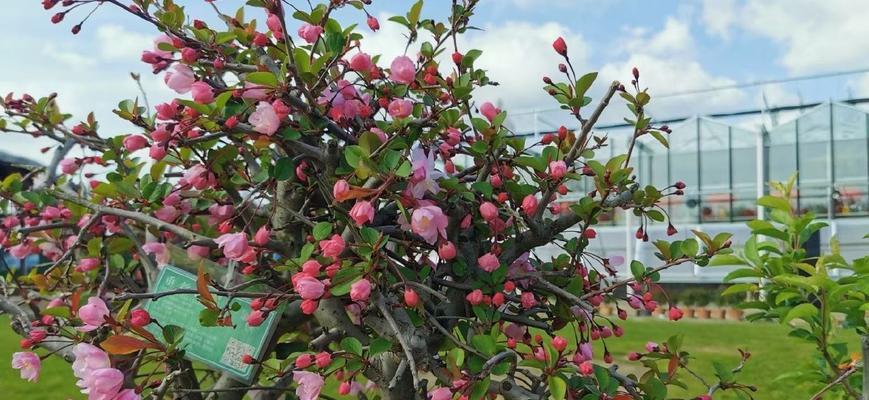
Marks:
<point>121,344</point>
<point>202,287</point>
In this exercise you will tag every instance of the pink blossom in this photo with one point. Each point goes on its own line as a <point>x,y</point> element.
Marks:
<point>310,32</point>
<point>400,108</point>
<point>424,173</point>
<point>360,290</point>
<point>585,351</point>
<point>135,142</point>
<point>440,393</point>
<point>139,317</point>
<point>529,205</point>
<point>159,251</point>
<point>127,394</point>
<point>402,70</point>
<point>93,314</point>
<point>557,169</point>
<point>429,221</point>
<point>309,288</point>
<point>234,246</point>
<point>262,236</point>
<point>340,189</point>
<point>28,363</point>
<point>264,119</point>
<point>202,92</point>
<point>219,213</point>
<point>88,358</point>
<point>362,212</point>
<point>333,246</point>
<point>311,267</point>
<point>167,213</point>
<point>254,91</point>
<point>160,133</point>
<point>274,24</point>
<point>102,384</point>
<point>323,359</point>
<point>197,253</point>
<point>488,262</point>
<point>180,79</point>
<point>310,385</point>
<point>527,299</point>
<point>488,211</point>
<point>157,152</point>
<point>69,165</point>
<point>166,111</point>
<point>361,62</point>
<point>475,297</point>
<point>651,347</point>
<point>200,177</point>
<point>489,111</point>
<point>20,251</point>
<point>88,264</point>
<point>255,318</point>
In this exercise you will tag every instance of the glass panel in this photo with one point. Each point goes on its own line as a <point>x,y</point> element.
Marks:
<point>814,138</point>
<point>814,198</point>
<point>684,167</point>
<point>744,169</point>
<point>850,161</point>
<point>781,152</point>
<point>715,171</point>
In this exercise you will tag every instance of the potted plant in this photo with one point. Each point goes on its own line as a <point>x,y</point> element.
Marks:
<point>733,313</point>
<point>688,298</point>
<point>702,301</point>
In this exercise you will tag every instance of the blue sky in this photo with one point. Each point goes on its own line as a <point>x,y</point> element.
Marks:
<point>677,45</point>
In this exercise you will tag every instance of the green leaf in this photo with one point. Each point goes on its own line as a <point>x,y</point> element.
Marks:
<point>322,230</point>
<point>585,82</point>
<point>351,345</point>
<point>803,311</point>
<point>284,168</point>
<point>378,346</point>
<point>725,260</point>
<point>777,203</point>
<point>415,11</point>
<point>638,269</point>
<point>739,288</point>
<point>557,387</point>
<point>484,343</point>
<point>262,78</point>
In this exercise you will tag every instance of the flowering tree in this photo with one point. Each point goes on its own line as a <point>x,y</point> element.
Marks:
<point>383,214</point>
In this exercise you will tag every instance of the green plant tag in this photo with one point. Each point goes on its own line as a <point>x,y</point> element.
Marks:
<point>220,347</point>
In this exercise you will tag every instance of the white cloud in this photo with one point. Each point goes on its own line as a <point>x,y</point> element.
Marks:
<point>674,40</point>
<point>816,35</point>
<point>67,58</point>
<point>118,43</point>
<point>718,16</point>
<point>667,63</point>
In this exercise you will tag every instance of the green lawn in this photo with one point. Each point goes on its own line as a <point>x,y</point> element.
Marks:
<point>773,353</point>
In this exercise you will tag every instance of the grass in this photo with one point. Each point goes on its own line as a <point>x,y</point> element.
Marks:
<point>773,353</point>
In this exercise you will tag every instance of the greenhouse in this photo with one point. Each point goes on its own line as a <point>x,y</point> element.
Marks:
<point>725,168</point>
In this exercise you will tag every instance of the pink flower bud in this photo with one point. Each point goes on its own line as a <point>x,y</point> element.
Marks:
<point>475,297</point>
<point>560,46</point>
<point>447,251</point>
<point>139,318</point>
<point>135,142</point>
<point>488,211</point>
<point>360,290</point>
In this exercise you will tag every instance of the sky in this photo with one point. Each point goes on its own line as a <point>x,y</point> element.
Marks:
<point>677,46</point>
